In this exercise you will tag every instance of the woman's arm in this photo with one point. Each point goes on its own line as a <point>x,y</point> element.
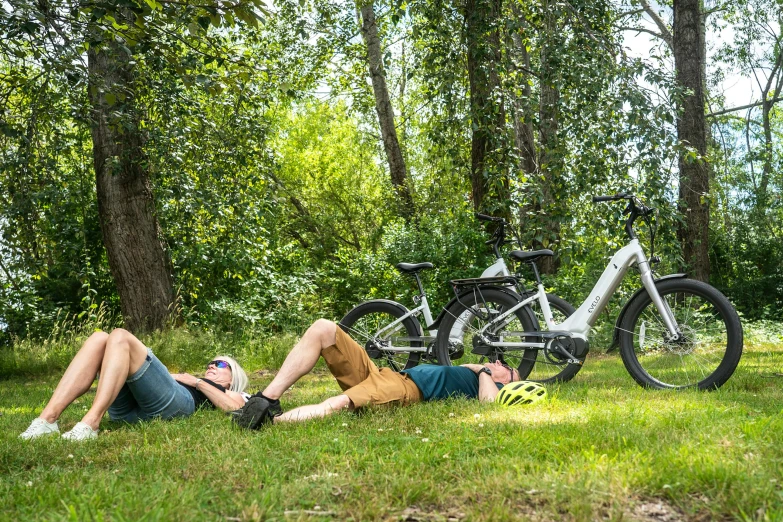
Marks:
<point>226,401</point>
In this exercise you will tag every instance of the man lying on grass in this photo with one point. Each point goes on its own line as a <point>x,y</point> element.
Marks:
<point>134,385</point>
<point>362,382</point>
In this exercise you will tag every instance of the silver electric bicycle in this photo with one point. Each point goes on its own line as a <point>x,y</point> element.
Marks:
<point>674,332</point>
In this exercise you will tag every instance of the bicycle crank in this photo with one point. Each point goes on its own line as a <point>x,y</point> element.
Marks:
<point>564,349</point>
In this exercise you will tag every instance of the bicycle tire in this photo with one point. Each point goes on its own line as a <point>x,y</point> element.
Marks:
<point>709,354</point>
<point>473,309</point>
<point>364,321</point>
<point>535,366</point>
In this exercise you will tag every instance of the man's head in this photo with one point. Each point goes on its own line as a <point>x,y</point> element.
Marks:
<point>502,373</point>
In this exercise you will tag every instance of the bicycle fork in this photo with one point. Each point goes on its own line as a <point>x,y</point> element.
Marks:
<point>663,307</point>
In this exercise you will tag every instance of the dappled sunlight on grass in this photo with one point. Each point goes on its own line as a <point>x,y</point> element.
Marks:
<point>17,410</point>
<point>534,414</point>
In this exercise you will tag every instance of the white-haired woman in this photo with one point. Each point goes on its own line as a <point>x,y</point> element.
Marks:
<point>134,386</point>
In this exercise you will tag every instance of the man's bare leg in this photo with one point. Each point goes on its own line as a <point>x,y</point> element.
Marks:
<point>78,377</point>
<point>311,411</point>
<point>302,358</point>
<point>123,357</point>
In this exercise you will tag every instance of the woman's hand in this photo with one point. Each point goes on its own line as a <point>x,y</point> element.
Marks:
<point>185,378</point>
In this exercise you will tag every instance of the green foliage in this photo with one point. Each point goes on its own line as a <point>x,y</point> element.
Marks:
<point>51,254</point>
<point>444,239</point>
<point>54,351</point>
<point>270,180</point>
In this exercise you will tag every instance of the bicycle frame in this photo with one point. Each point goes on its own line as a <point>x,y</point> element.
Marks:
<point>424,308</point>
<point>579,324</point>
<point>498,268</point>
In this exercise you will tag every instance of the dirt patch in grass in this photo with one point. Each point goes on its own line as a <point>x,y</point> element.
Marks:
<point>655,510</point>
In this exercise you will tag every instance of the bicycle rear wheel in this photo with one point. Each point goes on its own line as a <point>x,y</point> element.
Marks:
<point>705,355</point>
<point>459,340</point>
<point>389,347</point>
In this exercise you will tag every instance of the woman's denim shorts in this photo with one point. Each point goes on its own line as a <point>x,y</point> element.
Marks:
<point>150,393</point>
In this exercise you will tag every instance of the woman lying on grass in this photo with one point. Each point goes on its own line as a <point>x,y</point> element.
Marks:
<point>134,386</point>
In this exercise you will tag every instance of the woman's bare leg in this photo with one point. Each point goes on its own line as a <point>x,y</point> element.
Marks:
<point>302,357</point>
<point>78,377</point>
<point>123,357</point>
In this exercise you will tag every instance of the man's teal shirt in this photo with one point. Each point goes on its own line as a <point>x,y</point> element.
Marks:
<point>439,382</point>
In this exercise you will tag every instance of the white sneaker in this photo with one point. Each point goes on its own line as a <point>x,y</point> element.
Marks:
<point>81,431</point>
<point>39,428</point>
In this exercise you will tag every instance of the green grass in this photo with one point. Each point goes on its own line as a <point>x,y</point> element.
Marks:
<point>599,448</point>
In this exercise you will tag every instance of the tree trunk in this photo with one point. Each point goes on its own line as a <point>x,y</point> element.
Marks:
<point>130,229</point>
<point>691,132</point>
<point>766,164</point>
<point>383,107</point>
<point>767,104</point>
<point>524,134</point>
<point>549,162</point>
<point>703,46</point>
<point>486,107</point>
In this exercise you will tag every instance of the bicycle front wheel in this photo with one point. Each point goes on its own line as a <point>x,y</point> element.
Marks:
<point>704,356</point>
<point>367,324</point>
<point>470,324</point>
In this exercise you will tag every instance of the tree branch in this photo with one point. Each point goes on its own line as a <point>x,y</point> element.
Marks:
<point>10,278</point>
<point>644,30</point>
<point>666,34</point>
<point>772,75</point>
<point>630,13</point>
<point>743,107</point>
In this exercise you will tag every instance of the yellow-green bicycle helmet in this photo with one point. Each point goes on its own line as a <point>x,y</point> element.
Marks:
<point>520,392</point>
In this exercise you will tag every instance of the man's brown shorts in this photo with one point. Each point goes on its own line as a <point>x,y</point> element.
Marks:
<point>362,381</point>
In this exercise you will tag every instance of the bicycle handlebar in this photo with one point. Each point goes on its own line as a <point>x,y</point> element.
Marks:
<point>616,197</point>
<point>484,217</point>
<point>633,210</point>
<point>498,236</point>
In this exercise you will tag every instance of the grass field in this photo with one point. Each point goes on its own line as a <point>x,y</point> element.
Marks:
<point>600,448</point>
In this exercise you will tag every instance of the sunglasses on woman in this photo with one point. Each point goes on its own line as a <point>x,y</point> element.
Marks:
<point>218,364</point>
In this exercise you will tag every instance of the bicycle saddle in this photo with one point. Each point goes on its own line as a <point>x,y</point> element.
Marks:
<point>529,257</point>
<point>412,268</point>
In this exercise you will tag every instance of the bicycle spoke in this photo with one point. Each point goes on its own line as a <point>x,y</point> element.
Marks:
<point>691,358</point>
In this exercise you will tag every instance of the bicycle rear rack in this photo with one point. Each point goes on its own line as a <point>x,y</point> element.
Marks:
<point>484,281</point>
